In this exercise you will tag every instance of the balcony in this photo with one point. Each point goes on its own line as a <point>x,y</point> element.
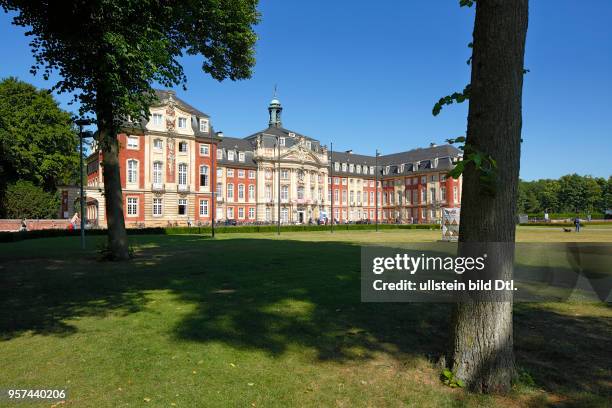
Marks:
<point>182,188</point>
<point>158,187</point>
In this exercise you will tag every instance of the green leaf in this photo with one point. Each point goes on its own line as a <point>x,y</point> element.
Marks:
<point>447,373</point>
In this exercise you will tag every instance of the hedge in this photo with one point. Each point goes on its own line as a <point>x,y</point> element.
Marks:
<point>563,216</point>
<point>563,224</point>
<point>18,236</point>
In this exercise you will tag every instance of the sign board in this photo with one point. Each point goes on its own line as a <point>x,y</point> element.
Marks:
<point>450,224</point>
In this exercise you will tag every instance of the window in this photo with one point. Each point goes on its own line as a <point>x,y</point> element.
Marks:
<point>415,197</point>
<point>268,214</point>
<point>204,208</point>
<point>158,119</point>
<point>284,215</point>
<point>158,144</point>
<point>241,191</point>
<point>230,155</point>
<point>203,176</point>
<point>219,154</point>
<point>157,207</point>
<point>284,193</point>
<point>157,172</point>
<point>432,193</point>
<point>132,206</point>
<point>351,168</point>
<point>219,173</point>
<point>132,173</point>
<point>230,191</point>
<point>423,196</point>
<point>329,195</point>
<point>204,125</point>
<point>182,206</point>
<point>344,181</point>
<point>230,172</point>
<point>443,193</point>
<point>182,123</point>
<point>241,157</point>
<point>358,169</point>
<point>268,192</point>
<point>424,180</point>
<point>219,189</point>
<point>182,174</point>
<point>336,194</point>
<point>336,180</point>
<point>240,173</point>
<point>371,169</point>
<point>132,142</point>
<point>352,197</point>
<point>455,195</point>
<point>343,166</point>
<point>300,192</point>
<point>252,174</point>
<point>309,145</point>
<point>337,166</point>
<point>182,147</point>
<point>344,196</point>
<point>284,174</point>
<point>230,213</point>
<point>281,141</point>
<point>241,212</point>
<point>251,213</point>
<point>371,197</point>
<point>204,149</point>
<point>251,192</point>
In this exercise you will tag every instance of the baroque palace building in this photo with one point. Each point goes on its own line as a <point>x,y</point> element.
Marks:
<point>175,170</point>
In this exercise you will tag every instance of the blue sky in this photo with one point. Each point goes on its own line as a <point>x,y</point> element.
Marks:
<point>365,75</point>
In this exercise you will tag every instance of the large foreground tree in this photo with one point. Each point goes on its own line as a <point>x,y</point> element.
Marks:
<point>482,345</point>
<point>109,52</point>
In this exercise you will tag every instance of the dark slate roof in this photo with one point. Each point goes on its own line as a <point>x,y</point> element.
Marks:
<point>391,164</point>
<point>237,145</point>
<point>269,137</point>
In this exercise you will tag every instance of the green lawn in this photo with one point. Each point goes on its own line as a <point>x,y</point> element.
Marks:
<point>254,320</point>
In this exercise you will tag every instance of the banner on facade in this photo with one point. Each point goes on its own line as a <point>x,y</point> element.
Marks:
<point>450,224</point>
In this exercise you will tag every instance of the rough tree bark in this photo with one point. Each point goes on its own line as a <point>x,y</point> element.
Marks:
<point>113,197</point>
<point>481,352</point>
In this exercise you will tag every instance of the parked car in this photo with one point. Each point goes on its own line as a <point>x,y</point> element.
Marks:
<point>231,222</point>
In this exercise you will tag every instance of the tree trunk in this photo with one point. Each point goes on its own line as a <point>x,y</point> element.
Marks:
<point>481,353</point>
<point>113,197</point>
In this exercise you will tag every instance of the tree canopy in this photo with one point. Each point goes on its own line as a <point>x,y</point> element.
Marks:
<point>23,199</point>
<point>37,140</point>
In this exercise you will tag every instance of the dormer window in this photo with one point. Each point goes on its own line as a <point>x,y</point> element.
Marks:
<point>351,167</point>
<point>337,166</point>
<point>281,141</point>
<point>182,123</point>
<point>204,125</point>
<point>371,169</point>
<point>230,155</point>
<point>219,154</point>
<point>241,157</point>
<point>309,145</point>
<point>158,119</point>
<point>291,134</point>
<point>358,169</point>
<point>343,166</point>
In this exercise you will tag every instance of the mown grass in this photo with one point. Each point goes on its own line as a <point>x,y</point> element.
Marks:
<point>260,320</point>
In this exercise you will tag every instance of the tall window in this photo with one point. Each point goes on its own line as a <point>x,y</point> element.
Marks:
<point>241,157</point>
<point>251,213</point>
<point>352,196</point>
<point>336,194</point>
<point>268,214</point>
<point>432,192</point>
<point>132,206</point>
<point>204,149</point>
<point>268,192</point>
<point>157,207</point>
<point>344,196</point>
<point>455,195</point>
<point>230,191</point>
<point>204,208</point>
<point>241,191</point>
<point>300,192</point>
<point>284,215</point>
<point>132,173</point>
<point>371,198</point>
<point>182,174</point>
<point>219,189</point>
<point>157,172</point>
<point>443,193</point>
<point>203,176</point>
<point>241,212</point>
<point>284,193</point>
<point>204,125</point>
<point>284,174</point>
<point>158,119</point>
<point>219,154</point>
<point>281,141</point>
<point>182,206</point>
<point>251,192</point>
<point>230,213</point>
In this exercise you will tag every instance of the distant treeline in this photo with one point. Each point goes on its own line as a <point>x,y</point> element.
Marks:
<point>569,194</point>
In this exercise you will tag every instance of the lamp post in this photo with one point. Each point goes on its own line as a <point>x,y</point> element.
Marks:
<point>376,186</point>
<point>80,123</point>
<point>331,172</point>
<point>213,180</point>
<point>278,220</point>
